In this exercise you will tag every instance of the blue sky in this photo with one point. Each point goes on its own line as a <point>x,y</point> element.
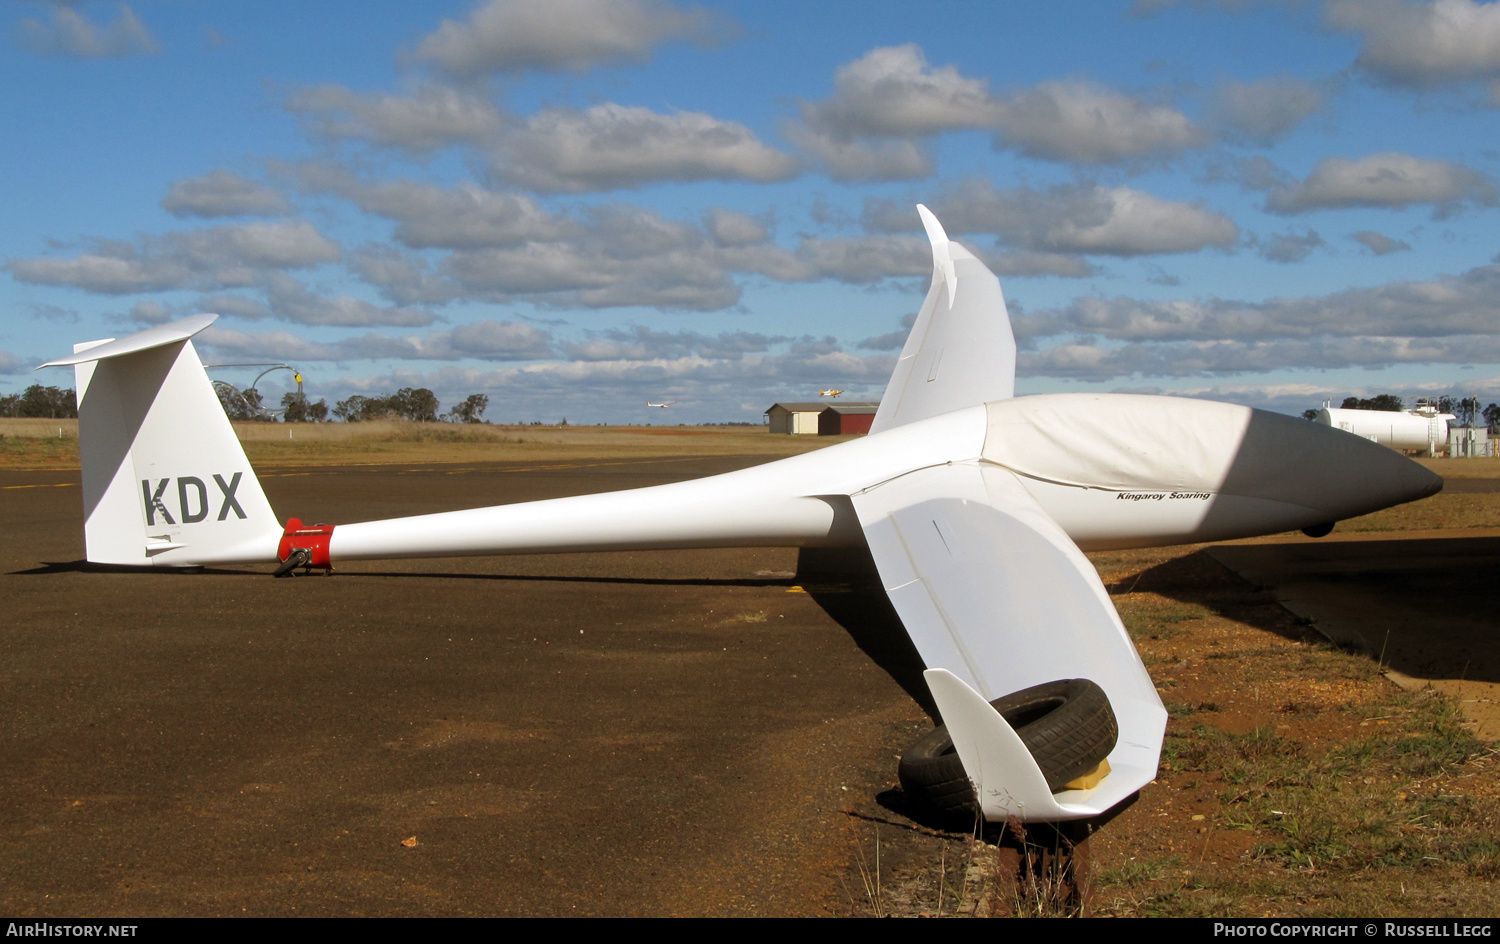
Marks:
<point>577,206</point>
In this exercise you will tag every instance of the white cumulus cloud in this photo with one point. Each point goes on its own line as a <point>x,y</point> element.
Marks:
<point>1266,110</point>
<point>504,36</point>
<point>69,33</point>
<point>1086,123</point>
<point>1382,180</point>
<point>1422,45</point>
<point>430,118</point>
<point>217,257</point>
<point>220,193</point>
<point>1078,218</point>
<point>893,92</point>
<point>1380,244</point>
<point>886,101</point>
<point>611,146</point>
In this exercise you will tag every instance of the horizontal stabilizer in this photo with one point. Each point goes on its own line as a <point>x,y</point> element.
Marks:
<point>159,336</point>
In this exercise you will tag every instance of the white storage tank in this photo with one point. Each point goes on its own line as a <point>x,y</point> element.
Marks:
<point>1425,431</point>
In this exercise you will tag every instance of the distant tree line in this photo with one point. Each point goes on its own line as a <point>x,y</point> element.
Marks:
<point>244,405</point>
<point>1491,416</point>
<point>1466,410</point>
<point>471,410</point>
<point>37,400</point>
<point>1385,403</point>
<point>295,408</point>
<point>416,404</point>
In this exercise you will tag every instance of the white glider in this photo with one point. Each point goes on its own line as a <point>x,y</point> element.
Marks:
<point>976,506</point>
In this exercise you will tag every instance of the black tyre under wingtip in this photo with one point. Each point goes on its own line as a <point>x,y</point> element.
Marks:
<point>1067,725</point>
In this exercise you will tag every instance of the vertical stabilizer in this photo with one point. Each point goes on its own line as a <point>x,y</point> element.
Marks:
<point>165,480</point>
<point>961,350</point>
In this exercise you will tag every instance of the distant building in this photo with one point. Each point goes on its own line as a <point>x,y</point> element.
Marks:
<point>841,419</point>
<point>820,418</point>
<point>1469,442</point>
<point>796,418</point>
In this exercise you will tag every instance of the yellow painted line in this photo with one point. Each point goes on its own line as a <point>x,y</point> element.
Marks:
<point>48,485</point>
<point>593,465</point>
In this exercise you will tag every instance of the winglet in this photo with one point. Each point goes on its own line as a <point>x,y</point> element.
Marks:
<point>942,259</point>
<point>1006,778</point>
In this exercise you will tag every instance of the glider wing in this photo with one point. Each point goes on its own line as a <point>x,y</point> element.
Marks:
<point>996,598</point>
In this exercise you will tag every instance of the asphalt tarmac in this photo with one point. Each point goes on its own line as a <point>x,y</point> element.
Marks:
<point>656,733</point>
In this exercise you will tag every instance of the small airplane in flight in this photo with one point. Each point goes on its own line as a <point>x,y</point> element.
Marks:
<point>662,405</point>
<point>830,393</point>
<point>975,504</point>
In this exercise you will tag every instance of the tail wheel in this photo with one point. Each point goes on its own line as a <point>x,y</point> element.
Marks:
<point>1067,725</point>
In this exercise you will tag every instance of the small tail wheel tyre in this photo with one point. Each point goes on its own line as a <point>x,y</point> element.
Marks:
<point>1067,725</point>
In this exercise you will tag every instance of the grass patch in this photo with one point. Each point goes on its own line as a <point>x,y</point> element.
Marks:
<point>1443,510</point>
<point>39,452</point>
<point>1161,621</point>
<point>34,444</point>
<point>1137,871</point>
<point>1332,661</point>
<point>274,444</point>
<point>1370,813</point>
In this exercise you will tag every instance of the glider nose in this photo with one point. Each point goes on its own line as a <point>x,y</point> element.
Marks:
<point>1346,476</point>
<point>1405,480</point>
<point>1374,476</point>
<point>1328,471</point>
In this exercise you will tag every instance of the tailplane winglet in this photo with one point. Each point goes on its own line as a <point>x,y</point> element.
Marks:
<point>942,259</point>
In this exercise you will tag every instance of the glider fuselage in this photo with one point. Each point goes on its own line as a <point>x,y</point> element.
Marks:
<point>1113,470</point>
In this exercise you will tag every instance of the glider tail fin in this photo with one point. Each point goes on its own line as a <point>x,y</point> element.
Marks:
<point>961,350</point>
<point>165,480</point>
